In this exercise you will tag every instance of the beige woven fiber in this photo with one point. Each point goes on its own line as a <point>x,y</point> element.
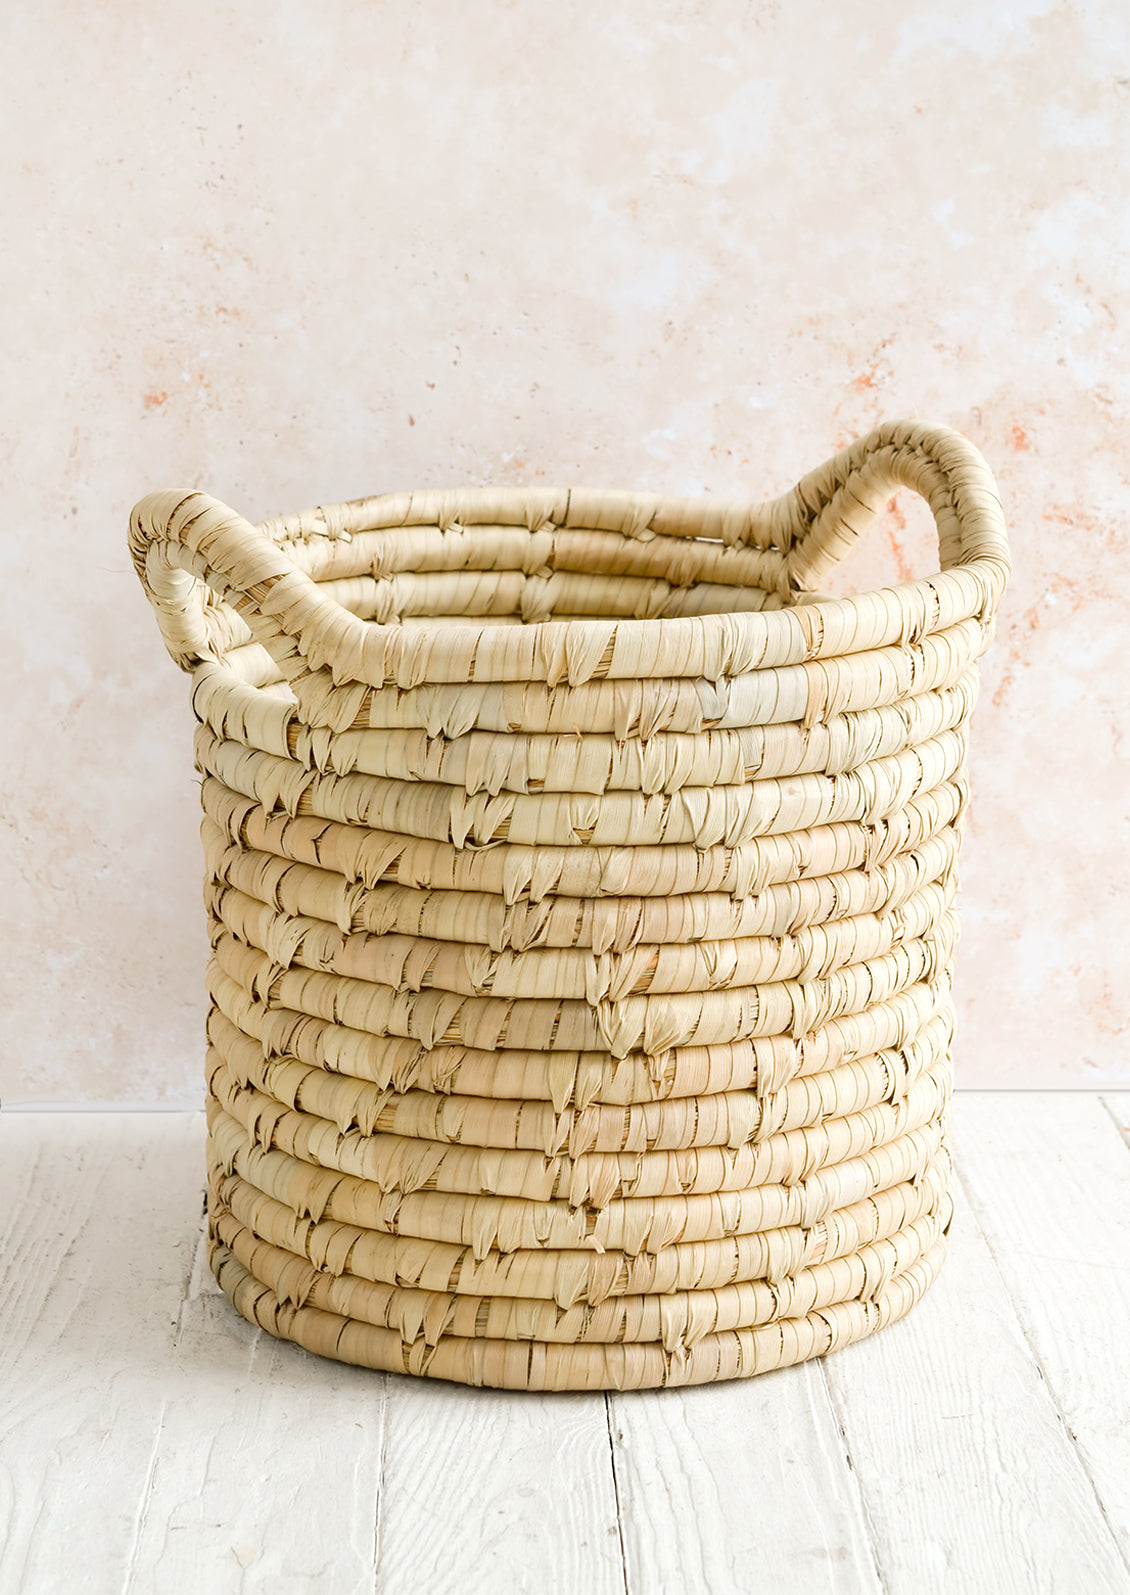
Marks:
<point>581,891</point>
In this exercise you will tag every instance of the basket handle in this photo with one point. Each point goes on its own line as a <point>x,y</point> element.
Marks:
<point>829,508</point>
<point>211,577</point>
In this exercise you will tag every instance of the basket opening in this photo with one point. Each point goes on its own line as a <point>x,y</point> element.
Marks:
<point>901,545</point>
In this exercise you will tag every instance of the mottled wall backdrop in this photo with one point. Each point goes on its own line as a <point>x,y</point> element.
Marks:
<point>296,252</point>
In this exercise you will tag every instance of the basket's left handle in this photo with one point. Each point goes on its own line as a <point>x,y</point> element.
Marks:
<point>186,609</point>
<point>205,569</point>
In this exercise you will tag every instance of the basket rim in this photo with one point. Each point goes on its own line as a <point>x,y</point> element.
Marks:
<point>196,556</point>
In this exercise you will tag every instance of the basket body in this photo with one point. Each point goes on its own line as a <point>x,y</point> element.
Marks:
<point>581,895</point>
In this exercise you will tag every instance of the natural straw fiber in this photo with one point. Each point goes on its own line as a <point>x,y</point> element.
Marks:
<point>581,898</point>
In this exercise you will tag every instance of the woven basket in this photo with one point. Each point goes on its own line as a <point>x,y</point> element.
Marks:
<point>581,897</point>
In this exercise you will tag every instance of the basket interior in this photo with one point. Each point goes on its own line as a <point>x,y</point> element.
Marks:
<point>507,574</point>
<point>674,558</point>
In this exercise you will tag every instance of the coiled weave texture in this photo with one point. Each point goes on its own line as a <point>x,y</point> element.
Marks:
<point>581,901</point>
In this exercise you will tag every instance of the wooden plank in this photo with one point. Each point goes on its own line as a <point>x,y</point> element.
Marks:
<point>1048,1175</point>
<point>738,1487</point>
<point>969,1479</point>
<point>98,1219</point>
<point>267,1470</point>
<point>497,1493</point>
<point>148,1431</point>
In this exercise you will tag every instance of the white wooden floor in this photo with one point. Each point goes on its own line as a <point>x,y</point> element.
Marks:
<point>151,1441</point>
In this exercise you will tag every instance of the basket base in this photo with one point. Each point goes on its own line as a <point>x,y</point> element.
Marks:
<point>536,1365</point>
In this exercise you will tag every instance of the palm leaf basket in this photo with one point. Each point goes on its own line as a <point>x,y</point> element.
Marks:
<point>581,892</point>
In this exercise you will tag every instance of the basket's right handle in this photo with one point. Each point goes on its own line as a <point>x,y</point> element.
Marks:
<point>830,507</point>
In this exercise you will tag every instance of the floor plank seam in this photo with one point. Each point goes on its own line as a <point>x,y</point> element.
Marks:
<point>1122,1127</point>
<point>378,1515</point>
<point>616,1489</point>
<point>1037,1362</point>
<point>820,1369</point>
<point>187,1297</point>
<point>144,1504</point>
<point>197,1268</point>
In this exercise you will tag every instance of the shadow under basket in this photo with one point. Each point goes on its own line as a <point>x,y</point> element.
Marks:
<point>581,901</point>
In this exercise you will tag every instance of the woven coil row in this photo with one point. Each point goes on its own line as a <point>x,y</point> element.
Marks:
<point>581,894</point>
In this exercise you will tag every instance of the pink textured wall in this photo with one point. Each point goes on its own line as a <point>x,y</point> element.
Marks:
<point>297,252</point>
